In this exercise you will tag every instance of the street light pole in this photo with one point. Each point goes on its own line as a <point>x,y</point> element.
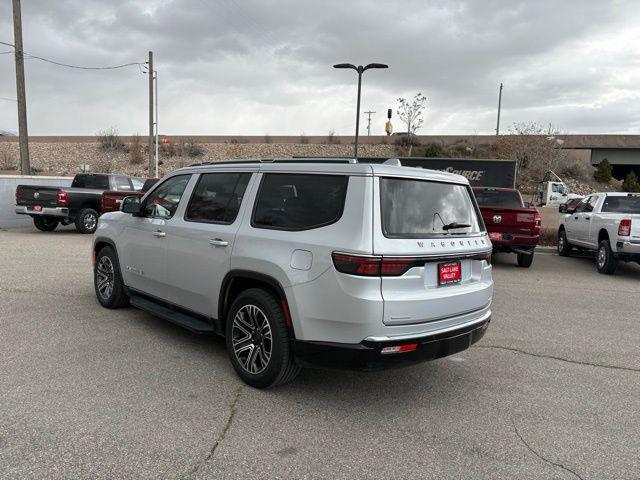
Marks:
<point>360,70</point>
<point>155,78</point>
<point>499,107</point>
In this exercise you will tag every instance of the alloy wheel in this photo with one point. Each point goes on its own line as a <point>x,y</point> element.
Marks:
<point>251,339</point>
<point>89,221</point>
<point>602,257</point>
<point>106,277</point>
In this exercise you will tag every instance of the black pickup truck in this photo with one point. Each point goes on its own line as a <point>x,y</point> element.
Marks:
<point>80,203</point>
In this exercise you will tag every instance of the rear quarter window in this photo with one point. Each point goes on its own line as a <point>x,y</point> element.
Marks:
<point>299,201</point>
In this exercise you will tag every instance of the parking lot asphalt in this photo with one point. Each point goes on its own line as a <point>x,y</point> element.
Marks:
<point>551,392</point>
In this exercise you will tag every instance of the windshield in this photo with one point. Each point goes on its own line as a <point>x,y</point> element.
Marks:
<point>619,204</point>
<point>419,209</point>
<point>498,198</point>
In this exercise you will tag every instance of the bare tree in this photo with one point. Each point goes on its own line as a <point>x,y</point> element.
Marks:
<point>535,148</point>
<point>410,112</point>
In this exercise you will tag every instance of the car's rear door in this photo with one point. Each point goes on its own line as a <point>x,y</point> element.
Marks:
<point>446,274</point>
<point>200,242</point>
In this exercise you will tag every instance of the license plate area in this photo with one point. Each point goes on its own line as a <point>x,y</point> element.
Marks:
<point>495,236</point>
<point>449,273</point>
<point>37,208</point>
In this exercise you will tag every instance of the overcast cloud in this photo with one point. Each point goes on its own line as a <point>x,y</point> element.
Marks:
<point>264,67</point>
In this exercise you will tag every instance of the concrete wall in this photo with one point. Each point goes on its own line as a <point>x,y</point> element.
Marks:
<point>8,184</point>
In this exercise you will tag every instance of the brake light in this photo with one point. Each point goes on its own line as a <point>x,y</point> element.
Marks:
<point>370,266</point>
<point>63,198</point>
<point>537,221</point>
<point>624,229</point>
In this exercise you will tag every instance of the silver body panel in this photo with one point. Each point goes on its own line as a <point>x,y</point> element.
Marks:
<point>184,267</point>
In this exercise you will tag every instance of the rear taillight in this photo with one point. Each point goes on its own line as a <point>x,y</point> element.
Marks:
<point>624,230</point>
<point>537,221</point>
<point>63,198</point>
<point>102,203</point>
<point>370,266</point>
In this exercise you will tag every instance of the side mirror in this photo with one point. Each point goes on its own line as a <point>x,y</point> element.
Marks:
<point>563,208</point>
<point>131,205</point>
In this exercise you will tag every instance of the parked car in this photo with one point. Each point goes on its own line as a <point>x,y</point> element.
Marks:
<point>305,263</point>
<point>513,226</point>
<point>608,223</point>
<point>50,206</point>
<point>111,200</point>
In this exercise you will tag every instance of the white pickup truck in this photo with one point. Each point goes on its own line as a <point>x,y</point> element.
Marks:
<point>608,223</point>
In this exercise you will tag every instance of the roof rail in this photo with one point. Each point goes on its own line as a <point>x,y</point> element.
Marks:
<point>278,160</point>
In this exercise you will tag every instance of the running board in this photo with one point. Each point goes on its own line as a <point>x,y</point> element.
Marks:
<point>190,322</point>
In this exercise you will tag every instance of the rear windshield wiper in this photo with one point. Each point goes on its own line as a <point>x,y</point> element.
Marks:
<point>452,225</point>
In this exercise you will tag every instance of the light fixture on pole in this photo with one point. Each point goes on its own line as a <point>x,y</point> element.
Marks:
<point>360,70</point>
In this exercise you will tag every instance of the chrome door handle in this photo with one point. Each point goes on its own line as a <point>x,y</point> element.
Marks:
<point>217,242</point>
<point>159,234</point>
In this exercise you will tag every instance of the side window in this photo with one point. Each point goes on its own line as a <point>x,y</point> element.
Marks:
<point>217,197</point>
<point>582,205</point>
<point>299,201</point>
<point>591,205</point>
<point>137,183</point>
<point>122,183</point>
<point>163,201</point>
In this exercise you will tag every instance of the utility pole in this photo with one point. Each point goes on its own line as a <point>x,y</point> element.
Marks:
<point>25,166</point>
<point>499,106</point>
<point>369,122</point>
<point>152,162</point>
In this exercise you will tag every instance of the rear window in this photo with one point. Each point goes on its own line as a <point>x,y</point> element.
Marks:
<point>422,209</point>
<point>99,182</point>
<point>299,201</point>
<point>618,204</point>
<point>498,198</point>
<point>122,183</point>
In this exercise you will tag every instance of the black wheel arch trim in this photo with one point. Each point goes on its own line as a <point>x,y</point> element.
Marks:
<point>223,305</point>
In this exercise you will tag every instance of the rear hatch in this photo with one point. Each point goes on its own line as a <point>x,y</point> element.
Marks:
<point>33,195</point>
<point>509,220</point>
<point>432,237</point>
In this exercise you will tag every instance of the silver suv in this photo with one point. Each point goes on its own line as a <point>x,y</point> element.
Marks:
<point>298,263</point>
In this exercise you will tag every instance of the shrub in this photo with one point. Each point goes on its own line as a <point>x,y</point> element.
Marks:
<point>8,161</point>
<point>190,147</point>
<point>303,139</point>
<point>433,150</point>
<point>631,183</point>
<point>136,156</point>
<point>110,141</point>
<point>267,138</point>
<point>604,172</point>
<point>331,137</point>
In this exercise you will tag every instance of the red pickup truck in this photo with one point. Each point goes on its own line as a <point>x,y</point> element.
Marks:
<point>112,199</point>
<point>513,226</point>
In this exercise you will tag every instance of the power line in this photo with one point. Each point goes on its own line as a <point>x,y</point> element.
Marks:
<point>79,67</point>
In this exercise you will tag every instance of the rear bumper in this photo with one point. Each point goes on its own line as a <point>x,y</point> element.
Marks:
<point>368,356</point>
<point>515,243</point>
<point>628,248</point>
<point>46,211</point>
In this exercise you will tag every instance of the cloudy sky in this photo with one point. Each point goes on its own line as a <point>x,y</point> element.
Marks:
<point>258,67</point>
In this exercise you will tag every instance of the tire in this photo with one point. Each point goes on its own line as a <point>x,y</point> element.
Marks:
<point>564,247</point>
<point>87,220</point>
<point>45,224</point>
<point>525,261</point>
<point>112,294</point>
<point>255,324</point>
<point>606,261</point>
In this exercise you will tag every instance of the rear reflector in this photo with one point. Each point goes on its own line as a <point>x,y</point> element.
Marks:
<point>624,230</point>
<point>409,347</point>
